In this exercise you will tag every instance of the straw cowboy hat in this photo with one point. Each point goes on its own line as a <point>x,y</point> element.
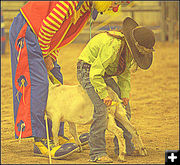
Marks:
<point>140,41</point>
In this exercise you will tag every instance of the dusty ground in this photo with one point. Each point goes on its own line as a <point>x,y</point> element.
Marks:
<point>154,104</point>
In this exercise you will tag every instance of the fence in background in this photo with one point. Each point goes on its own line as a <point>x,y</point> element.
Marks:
<point>166,28</point>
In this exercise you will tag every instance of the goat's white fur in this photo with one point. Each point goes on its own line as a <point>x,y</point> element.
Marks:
<point>72,104</point>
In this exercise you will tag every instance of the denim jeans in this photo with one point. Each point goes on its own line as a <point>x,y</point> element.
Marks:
<point>97,141</point>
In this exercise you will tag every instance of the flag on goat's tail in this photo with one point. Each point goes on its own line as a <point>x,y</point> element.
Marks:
<point>29,74</point>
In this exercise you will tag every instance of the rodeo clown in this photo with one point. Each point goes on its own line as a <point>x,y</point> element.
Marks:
<point>108,54</point>
<point>36,35</point>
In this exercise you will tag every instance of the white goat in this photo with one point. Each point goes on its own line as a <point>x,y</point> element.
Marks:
<point>72,104</point>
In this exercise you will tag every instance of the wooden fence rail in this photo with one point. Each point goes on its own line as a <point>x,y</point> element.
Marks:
<point>168,26</point>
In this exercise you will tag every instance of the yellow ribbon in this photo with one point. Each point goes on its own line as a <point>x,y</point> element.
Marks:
<point>20,43</point>
<point>22,85</point>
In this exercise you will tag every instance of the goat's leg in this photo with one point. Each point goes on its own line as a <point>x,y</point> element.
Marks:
<point>126,123</point>
<point>55,130</point>
<point>112,127</point>
<point>72,130</point>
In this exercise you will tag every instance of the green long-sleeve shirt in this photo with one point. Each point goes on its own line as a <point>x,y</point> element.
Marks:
<point>102,53</point>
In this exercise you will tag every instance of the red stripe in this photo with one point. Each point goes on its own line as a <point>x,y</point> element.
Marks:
<point>51,24</point>
<point>74,4</point>
<point>87,3</point>
<point>46,32</point>
<point>81,12</point>
<point>71,8</point>
<point>64,6</point>
<point>47,27</point>
<point>46,44</point>
<point>53,56</point>
<point>43,38</point>
<point>83,7</point>
<point>62,12</point>
<point>54,19</point>
<point>57,15</point>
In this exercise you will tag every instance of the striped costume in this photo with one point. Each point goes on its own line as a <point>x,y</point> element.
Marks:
<point>39,30</point>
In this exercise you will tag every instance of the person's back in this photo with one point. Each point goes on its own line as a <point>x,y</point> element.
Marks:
<point>96,45</point>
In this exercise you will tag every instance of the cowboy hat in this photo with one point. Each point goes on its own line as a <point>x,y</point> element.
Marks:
<point>140,41</point>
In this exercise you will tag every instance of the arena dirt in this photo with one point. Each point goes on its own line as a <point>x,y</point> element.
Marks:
<point>154,104</point>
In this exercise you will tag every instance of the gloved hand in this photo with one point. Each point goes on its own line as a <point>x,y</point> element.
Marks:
<point>49,63</point>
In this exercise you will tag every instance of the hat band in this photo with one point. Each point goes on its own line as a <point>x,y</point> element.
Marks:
<point>142,49</point>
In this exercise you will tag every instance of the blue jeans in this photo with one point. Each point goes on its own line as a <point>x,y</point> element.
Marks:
<point>97,141</point>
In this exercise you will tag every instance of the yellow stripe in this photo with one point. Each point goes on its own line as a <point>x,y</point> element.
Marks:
<point>49,19</point>
<point>86,7</point>
<point>60,14</point>
<point>67,6</point>
<point>44,53</point>
<point>50,26</point>
<point>70,12</point>
<point>42,36</point>
<point>57,51</point>
<point>28,22</point>
<point>43,27</point>
<point>76,3</point>
<point>72,6</point>
<point>47,42</point>
<point>60,7</point>
<point>82,9</point>
<point>45,48</point>
<point>54,54</point>
<point>49,35</point>
<point>43,45</point>
<point>59,20</point>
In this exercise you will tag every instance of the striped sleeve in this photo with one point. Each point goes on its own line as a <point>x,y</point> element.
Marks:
<point>84,7</point>
<point>52,23</point>
<point>55,54</point>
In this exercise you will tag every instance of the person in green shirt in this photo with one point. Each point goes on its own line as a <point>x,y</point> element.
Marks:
<point>107,55</point>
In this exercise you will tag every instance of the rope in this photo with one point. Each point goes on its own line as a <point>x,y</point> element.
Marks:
<point>47,132</point>
<point>90,24</point>
<point>20,43</point>
<point>22,126</point>
<point>22,85</point>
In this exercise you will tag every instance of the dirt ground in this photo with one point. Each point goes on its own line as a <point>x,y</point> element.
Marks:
<point>154,104</point>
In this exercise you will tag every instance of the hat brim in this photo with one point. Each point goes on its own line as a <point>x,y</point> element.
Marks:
<point>143,61</point>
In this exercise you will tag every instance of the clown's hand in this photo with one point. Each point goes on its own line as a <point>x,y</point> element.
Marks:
<point>49,63</point>
<point>55,74</point>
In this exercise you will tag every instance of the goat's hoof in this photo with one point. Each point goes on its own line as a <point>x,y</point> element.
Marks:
<point>120,159</point>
